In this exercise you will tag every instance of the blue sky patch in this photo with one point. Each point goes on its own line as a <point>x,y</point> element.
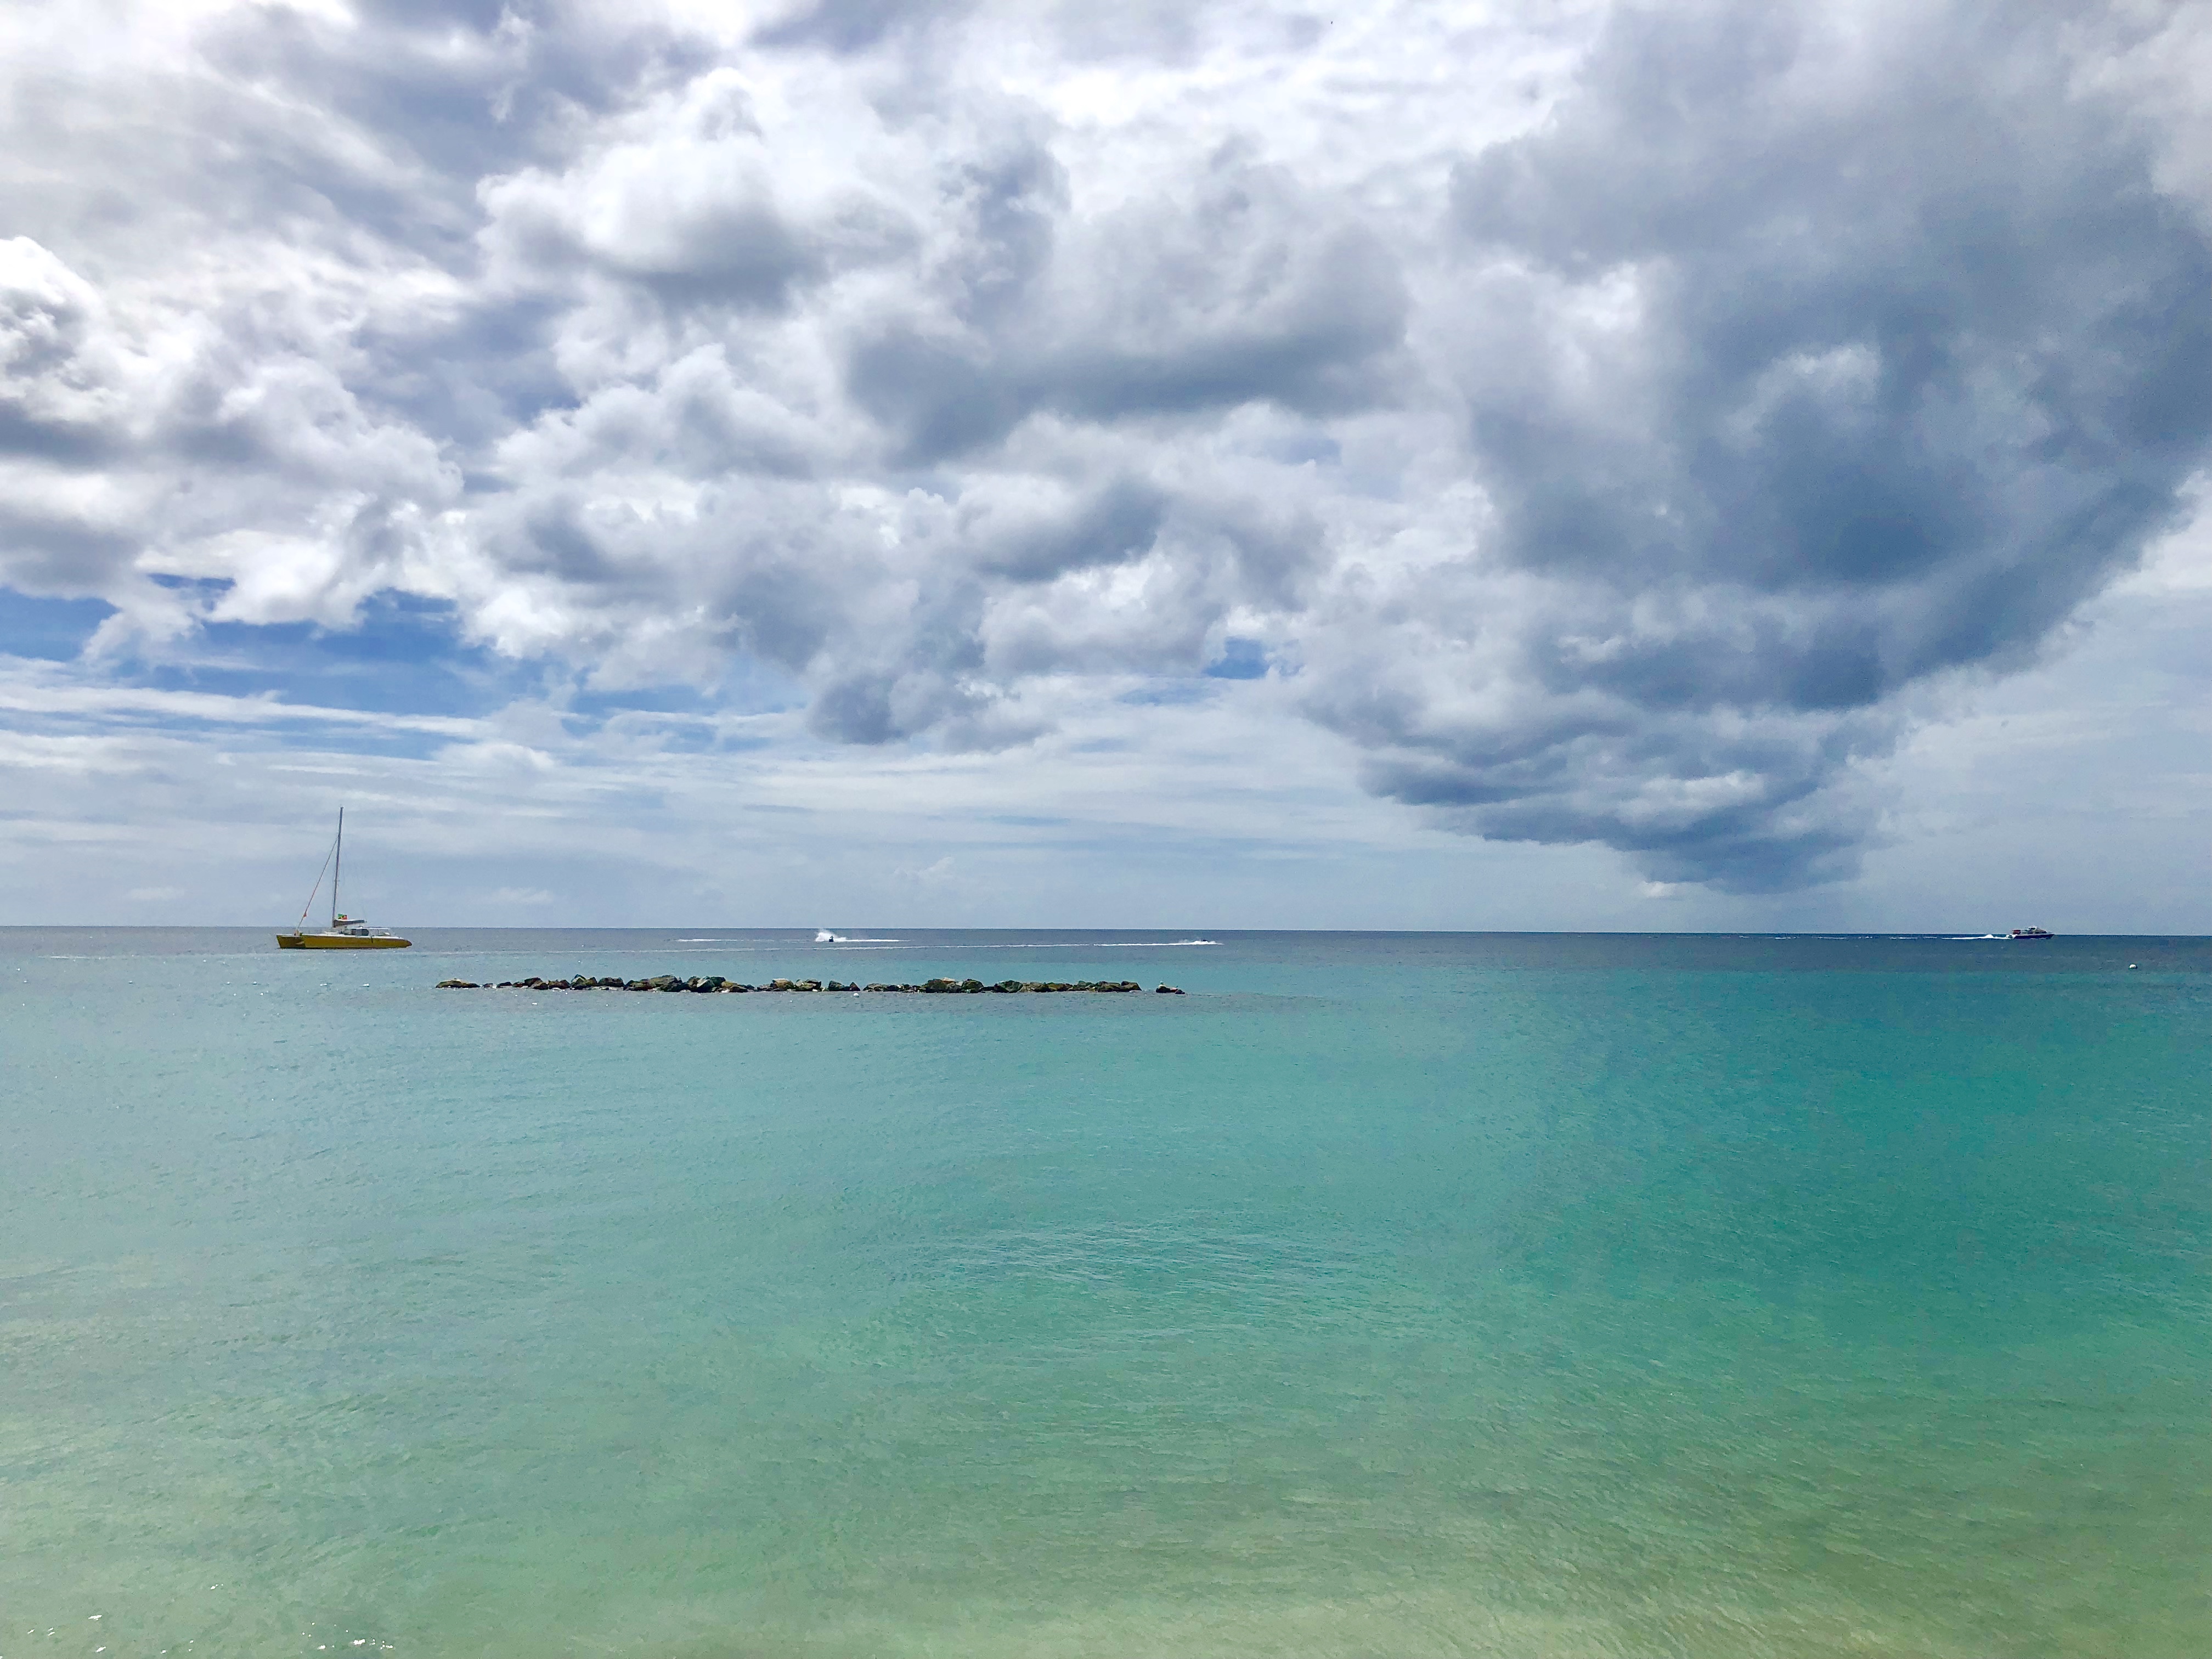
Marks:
<point>1240,659</point>
<point>50,630</point>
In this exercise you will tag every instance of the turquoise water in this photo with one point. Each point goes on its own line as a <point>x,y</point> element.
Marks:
<point>1391,1295</point>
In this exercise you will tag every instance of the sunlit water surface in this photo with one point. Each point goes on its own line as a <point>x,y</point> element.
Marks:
<point>1387,1295</point>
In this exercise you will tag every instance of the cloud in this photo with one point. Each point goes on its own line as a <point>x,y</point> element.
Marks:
<point>1615,422</point>
<point>1802,363</point>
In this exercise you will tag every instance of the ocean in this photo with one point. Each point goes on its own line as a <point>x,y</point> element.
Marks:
<point>1387,1295</point>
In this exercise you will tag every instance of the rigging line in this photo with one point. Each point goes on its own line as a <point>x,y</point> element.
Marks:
<point>317,887</point>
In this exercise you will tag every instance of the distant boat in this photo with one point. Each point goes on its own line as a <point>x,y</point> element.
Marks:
<point>345,932</point>
<point>824,936</point>
<point>2029,932</point>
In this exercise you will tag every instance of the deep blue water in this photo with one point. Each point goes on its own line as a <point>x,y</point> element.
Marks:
<point>1389,1294</point>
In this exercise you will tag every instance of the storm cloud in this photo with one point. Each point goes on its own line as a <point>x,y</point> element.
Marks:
<point>1614,423</point>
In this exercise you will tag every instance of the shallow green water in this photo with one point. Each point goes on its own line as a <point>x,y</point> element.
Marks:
<point>1386,1296</point>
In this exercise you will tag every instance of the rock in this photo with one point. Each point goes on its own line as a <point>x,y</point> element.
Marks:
<point>716,983</point>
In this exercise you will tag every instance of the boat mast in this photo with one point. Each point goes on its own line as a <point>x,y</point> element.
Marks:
<point>338,858</point>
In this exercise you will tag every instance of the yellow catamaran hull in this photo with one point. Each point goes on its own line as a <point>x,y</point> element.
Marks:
<point>345,932</point>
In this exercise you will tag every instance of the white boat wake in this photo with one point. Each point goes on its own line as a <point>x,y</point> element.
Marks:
<point>826,936</point>
<point>1082,945</point>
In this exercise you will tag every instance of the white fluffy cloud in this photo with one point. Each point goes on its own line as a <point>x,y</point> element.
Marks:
<point>1614,423</point>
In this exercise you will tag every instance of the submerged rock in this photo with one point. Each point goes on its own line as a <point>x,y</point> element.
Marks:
<point>1171,990</point>
<point>458,985</point>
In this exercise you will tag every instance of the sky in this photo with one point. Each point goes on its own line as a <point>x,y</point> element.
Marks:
<point>1724,464</point>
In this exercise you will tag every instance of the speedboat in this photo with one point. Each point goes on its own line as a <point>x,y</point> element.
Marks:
<point>2019,933</point>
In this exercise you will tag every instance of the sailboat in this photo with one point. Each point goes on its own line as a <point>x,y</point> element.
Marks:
<point>345,932</point>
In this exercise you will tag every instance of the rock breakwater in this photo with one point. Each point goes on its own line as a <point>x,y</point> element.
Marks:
<point>716,985</point>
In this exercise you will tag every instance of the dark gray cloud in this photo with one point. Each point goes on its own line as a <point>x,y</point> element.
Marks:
<point>1115,524</point>
<point>853,26</point>
<point>1810,365</point>
<point>1248,289</point>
